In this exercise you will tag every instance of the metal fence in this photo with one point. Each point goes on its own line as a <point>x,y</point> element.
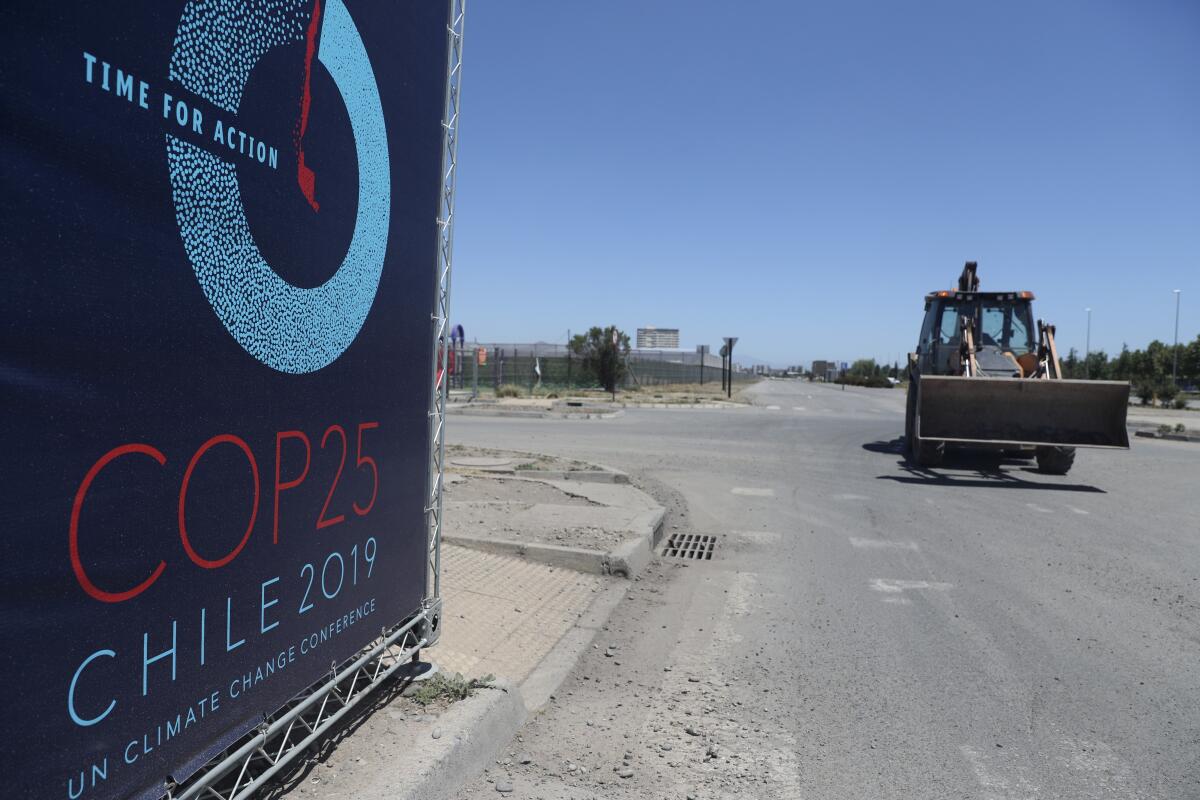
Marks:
<point>553,366</point>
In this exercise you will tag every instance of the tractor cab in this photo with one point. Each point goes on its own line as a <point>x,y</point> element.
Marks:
<point>1002,326</point>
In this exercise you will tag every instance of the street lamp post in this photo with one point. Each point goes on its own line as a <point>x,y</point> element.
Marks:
<point>1087,348</point>
<point>1175,349</point>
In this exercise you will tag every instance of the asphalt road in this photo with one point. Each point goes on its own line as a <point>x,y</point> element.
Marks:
<point>869,630</point>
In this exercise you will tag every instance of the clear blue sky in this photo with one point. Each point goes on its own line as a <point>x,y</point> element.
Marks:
<point>799,174</point>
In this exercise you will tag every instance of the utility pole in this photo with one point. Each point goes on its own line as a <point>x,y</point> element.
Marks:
<point>1087,348</point>
<point>616,357</point>
<point>568,360</point>
<point>730,341</point>
<point>1175,349</point>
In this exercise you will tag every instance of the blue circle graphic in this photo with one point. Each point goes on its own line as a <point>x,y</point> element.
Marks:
<point>291,329</point>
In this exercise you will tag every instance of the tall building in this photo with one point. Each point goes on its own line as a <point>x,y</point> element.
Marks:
<point>825,370</point>
<point>652,338</point>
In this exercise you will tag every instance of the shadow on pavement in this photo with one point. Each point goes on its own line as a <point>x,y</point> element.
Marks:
<point>988,469</point>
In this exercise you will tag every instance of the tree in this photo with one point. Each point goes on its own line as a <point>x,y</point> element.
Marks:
<point>600,357</point>
<point>1097,365</point>
<point>1122,368</point>
<point>1189,360</point>
<point>864,368</point>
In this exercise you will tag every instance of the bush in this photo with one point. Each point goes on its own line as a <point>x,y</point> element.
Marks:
<point>508,390</point>
<point>1167,392</point>
<point>450,688</point>
<point>1145,392</point>
<point>1180,402</point>
<point>603,352</point>
<point>873,382</point>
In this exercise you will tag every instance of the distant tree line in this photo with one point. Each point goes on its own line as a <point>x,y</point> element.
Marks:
<point>1148,370</point>
<point>865,372</point>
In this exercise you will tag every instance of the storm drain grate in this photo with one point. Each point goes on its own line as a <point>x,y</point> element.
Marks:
<point>698,546</point>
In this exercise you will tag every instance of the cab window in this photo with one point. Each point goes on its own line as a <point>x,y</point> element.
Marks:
<point>948,327</point>
<point>926,339</point>
<point>993,326</point>
<point>1006,325</point>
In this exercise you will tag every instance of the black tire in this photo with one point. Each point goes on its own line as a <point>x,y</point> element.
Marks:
<point>924,454</point>
<point>910,415</point>
<point>1022,454</point>
<point>930,454</point>
<point>1055,460</point>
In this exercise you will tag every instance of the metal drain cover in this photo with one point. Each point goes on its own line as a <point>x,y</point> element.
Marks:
<point>697,546</point>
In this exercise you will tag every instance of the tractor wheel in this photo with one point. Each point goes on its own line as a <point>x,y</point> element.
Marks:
<point>910,415</point>
<point>1055,460</point>
<point>930,454</point>
<point>925,454</point>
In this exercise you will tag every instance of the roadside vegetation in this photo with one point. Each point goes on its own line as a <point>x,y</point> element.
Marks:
<point>442,688</point>
<point>865,372</point>
<point>1148,370</point>
<point>602,353</point>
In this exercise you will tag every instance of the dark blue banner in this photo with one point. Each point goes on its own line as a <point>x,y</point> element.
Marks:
<point>219,247</point>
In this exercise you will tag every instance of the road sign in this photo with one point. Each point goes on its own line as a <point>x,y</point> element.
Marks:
<point>219,255</point>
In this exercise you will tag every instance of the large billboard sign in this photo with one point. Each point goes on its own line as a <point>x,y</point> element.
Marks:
<point>220,246</point>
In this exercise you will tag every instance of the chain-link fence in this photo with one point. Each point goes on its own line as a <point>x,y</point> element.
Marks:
<point>553,366</point>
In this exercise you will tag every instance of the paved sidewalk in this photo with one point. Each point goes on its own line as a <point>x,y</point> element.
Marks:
<point>512,616</point>
<point>521,506</point>
<point>503,614</point>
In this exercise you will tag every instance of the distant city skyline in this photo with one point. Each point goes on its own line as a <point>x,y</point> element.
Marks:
<point>805,195</point>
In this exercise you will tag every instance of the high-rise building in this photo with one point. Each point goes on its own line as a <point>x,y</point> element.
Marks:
<point>652,338</point>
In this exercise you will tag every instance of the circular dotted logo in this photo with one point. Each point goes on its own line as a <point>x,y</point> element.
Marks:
<point>291,329</point>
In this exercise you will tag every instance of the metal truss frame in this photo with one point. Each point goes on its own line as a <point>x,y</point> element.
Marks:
<point>258,756</point>
<point>441,316</point>
<point>254,759</point>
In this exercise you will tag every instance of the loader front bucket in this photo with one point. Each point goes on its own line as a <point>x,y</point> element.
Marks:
<point>1014,411</point>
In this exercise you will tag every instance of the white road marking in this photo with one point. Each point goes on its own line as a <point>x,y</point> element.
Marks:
<point>798,408</point>
<point>850,497</point>
<point>1037,508</point>
<point>760,537</point>
<point>891,586</point>
<point>772,408</point>
<point>1099,771</point>
<point>750,492</point>
<point>869,544</point>
<point>897,599</point>
<point>768,751</point>
<point>1078,510</point>
<point>996,787</point>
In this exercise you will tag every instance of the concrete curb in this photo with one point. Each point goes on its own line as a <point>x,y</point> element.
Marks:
<point>1174,437</point>
<point>626,559</point>
<point>476,730</point>
<point>605,475</point>
<point>468,410</point>
<point>579,559</point>
<point>687,406</point>
<point>631,556</point>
